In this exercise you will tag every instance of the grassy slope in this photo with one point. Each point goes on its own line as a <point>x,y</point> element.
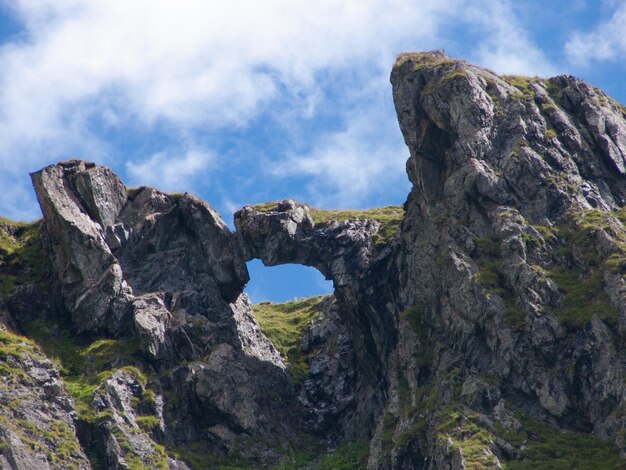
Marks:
<point>22,257</point>
<point>284,324</point>
<point>544,447</point>
<point>55,438</point>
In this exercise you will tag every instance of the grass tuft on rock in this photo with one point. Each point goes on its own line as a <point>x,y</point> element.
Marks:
<point>22,257</point>
<point>389,217</point>
<point>469,435</point>
<point>544,447</point>
<point>580,274</point>
<point>421,60</point>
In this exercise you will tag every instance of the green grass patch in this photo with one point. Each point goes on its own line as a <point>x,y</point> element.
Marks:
<point>388,214</point>
<point>487,256</point>
<point>199,457</point>
<point>55,439</point>
<point>147,423</point>
<point>348,456</point>
<point>488,259</point>
<point>488,274</point>
<point>12,344</point>
<point>455,75</point>
<point>548,107</point>
<point>426,400</point>
<point>13,349</point>
<point>389,217</point>
<point>284,324</point>
<point>580,274</point>
<point>488,247</point>
<point>550,134</point>
<point>271,206</point>
<point>583,297</point>
<point>546,232</point>
<point>544,447</point>
<point>158,459</point>
<point>421,60</point>
<point>522,83</point>
<point>85,365</point>
<point>468,435</point>
<point>76,357</point>
<point>515,316</point>
<point>22,257</point>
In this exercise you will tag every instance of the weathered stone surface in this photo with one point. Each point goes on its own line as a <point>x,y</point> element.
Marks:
<point>101,192</point>
<point>288,235</point>
<point>36,419</point>
<point>152,320</point>
<point>252,339</point>
<point>236,400</point>
<point>504,173</point>
<point>343,251</point>
<point>330,389</point>
<point>166,270</point>
<point>89,275</point>
<point>178,241</point>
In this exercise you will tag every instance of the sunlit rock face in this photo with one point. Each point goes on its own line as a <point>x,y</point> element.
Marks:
<point>165,271</point>
<point>510,258</point>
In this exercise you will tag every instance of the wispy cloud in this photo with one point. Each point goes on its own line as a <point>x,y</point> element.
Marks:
<point>84,72</point>
<point>505,45</point>
<point>350,166</point>
<point>170,172</point>
<point>607,41</point>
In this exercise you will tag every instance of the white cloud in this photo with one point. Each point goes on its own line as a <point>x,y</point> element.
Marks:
<point>506,47</point>
<point>170,173</point>
<point>607,41</point>
<point>345,167</point>
<point>190,62</point>
<point>86,70</point>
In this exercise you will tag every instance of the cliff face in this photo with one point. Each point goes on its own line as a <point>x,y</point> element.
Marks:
<point>511,254</point>
<point>482,326</point>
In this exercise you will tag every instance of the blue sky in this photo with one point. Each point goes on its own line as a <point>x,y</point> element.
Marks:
<point>244,101</point>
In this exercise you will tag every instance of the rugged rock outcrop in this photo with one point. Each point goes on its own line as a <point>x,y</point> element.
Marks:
<point>36,424</point>
<point>164,271</point>
<point>503,293</point>
<point>512,246</point>
<point>345,252</point>
<point>488,327</point>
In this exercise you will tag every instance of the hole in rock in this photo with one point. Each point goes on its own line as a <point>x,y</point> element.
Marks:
<point>285,282</point>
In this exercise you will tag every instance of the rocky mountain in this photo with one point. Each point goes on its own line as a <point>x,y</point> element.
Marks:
<point>482,325</point>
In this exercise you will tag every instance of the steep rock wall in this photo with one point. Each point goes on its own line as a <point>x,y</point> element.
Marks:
<point>165,273</point>
<point>510,259</point>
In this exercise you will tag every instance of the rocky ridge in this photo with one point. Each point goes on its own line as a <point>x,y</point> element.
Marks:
<point>486,332</point>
